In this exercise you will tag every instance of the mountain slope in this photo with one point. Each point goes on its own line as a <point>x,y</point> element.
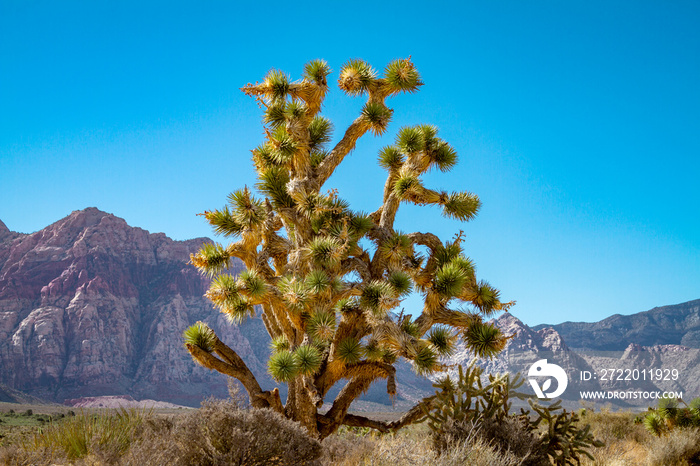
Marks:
<point>668,325</point>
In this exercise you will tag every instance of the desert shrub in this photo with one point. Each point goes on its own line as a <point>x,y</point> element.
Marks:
<point>469,408</point>
<point>410,446</point>
<point>679,447</point>
<point>478,452</point>
<point>222,433</point>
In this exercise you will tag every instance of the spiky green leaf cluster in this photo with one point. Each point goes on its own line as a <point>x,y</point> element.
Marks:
<point>229,294</point>
<point>378,116</point>
<point>252,284</point>
<point>356,77</point>
<point>443,340</point>
<point>402,76</point>
<point>273,183</point>
<point>239,310</point>
<point>360,224</point>
<point>483,339</point>
<point>308,359</point>
<point>406,183</point>
<point>248,211</point>
<point>391,158</point>
<point>400,282</point>
<point>326,250</point>
<point>444,156</point>
<point>373,351</point>
<point>462,206</point>
<point>212,259</point>
<point>223,291</point>
<point>279,343</point>
<point>349,350</point>
<point>669,415</point>
<point>694,407</point>
<point>274,114</point>
<point>425,360</point>
<point>486,298</point>
<point>318,281</point>
<point>654,423</point>
<point>294,293</point>
<point>201,336</point>
<point>449,280</point>
<point>410,140</point>
<point>282,147</point>
<point>410,327</point>
<point>224,222</point>
<point>320,131</point>
<point>347,305</point>
<point>396,248</point>
<point>375,296</point>
<point>278,84</point>
<point>283,366</point>
<point>321,326</point>
<point>317,71</point>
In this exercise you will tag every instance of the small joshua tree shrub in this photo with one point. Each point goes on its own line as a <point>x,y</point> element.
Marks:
<point>469,408</point>
<point>669,415</point>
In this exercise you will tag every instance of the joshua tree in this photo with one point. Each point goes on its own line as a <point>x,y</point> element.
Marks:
<point>326,279</point>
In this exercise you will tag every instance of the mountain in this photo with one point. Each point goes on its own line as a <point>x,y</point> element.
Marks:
<point>90,306</point>
<point>668,325</point>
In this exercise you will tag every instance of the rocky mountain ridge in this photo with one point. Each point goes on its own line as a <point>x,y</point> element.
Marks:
<point>677,325</point>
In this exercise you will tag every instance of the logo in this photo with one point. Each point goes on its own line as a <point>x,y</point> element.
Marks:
<point>542,369</point>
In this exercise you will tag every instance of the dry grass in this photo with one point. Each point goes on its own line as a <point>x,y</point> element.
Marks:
<point>411,446</point>
<point>223,433</point>
<point>629,444</point>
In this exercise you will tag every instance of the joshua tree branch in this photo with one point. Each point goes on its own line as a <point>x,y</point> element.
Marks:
<point>354,132</point>
<point>334,417</point>
<point>232,365</point>
<point>415,414</point>
<point>354,420</point>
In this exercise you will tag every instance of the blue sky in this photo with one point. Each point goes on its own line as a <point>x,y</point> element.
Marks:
<point>577,123</point>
